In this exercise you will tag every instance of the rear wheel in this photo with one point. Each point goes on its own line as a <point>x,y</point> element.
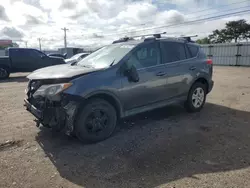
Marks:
<point>96,121</point>
<point>196,97</point>
<point>4,73</point>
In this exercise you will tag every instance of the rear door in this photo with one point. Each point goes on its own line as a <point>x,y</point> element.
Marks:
<point>173,55</point>
<point>192,67</point>
<point>151,86</point>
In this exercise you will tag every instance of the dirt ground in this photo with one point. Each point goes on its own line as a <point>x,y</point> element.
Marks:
<point>164,148</point>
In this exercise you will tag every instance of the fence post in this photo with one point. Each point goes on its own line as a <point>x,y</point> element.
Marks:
<point>210,55</point>
<point>238,54</point>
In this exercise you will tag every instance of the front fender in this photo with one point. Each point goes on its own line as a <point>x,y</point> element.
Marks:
<point>101,94</point>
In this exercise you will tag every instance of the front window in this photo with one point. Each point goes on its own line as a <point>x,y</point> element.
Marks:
<point>36,53</point>
<point>106,56</point>
<point>147,55</point>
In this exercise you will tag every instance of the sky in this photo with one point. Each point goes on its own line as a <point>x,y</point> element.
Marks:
<point>93,23</point>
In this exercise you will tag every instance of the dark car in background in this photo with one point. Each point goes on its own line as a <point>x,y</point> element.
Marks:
<point>119,80</point>
<point>25,60</point>
<point>76,58</point>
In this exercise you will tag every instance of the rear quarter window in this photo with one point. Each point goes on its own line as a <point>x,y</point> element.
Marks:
<point>193,50</point>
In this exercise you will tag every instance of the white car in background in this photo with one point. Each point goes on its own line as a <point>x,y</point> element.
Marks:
<point>76,58</point>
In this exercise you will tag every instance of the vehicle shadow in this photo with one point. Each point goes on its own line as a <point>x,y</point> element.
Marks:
<point>15,79</point>
<point>155,148</point>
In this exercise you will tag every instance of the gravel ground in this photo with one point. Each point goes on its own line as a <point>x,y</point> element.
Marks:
<point>164,148</point>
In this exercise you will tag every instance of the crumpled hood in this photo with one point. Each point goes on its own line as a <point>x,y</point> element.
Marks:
<point>60,71</point>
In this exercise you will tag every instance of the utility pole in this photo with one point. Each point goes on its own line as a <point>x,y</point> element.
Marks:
<point>65,38</point>
<point>40,46</point>
<point>26,44</point>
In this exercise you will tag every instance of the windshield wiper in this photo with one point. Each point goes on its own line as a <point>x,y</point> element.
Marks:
<point>85,66</point>
<point>112,63</point>
<point>74,63</point>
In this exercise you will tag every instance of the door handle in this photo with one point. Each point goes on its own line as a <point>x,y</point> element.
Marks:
<point>192,68</point>
<point>160,73</point>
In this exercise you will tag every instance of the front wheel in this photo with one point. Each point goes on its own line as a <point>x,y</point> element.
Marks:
<point>196,97</point>
<point>4,73</point>
<point>96,121</point>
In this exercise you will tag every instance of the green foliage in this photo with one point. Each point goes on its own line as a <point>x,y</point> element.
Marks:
<point>205,40</point>
<point>234,31</point>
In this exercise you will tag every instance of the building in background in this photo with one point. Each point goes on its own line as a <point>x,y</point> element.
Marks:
<point>5,44</point>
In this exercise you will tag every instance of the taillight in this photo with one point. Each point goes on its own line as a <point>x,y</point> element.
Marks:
<point>209,61</point>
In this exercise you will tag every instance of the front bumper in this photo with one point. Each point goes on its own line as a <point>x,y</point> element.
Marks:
<point>33,110</point>
<point>57,117</point>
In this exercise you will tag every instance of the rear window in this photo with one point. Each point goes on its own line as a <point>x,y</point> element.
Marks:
<point>193,50</point>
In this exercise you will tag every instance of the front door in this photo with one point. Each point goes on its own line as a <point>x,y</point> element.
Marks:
<point>38,59</point>
<point>151,86</point>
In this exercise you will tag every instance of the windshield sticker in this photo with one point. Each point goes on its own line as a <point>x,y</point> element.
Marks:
<point>127,46</point>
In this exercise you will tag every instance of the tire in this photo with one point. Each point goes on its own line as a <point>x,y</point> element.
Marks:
<point>195,101</point>
<point>4,73</point>
<point>96,121</point>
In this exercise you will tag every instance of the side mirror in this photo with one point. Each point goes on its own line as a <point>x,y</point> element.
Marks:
<point>132,74</point>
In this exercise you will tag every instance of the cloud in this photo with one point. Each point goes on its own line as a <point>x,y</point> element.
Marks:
<point>98,22</point>
<point>12,32</point>
<point>21,13</point>
<point>136,13</point>
<point>3,15</point>
<point>94,35</point>
<point>68,4</point>
<point>170,17</point>
<point>32,20</point>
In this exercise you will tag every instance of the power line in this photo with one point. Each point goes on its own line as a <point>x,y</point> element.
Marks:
<point>188,13</point>
<point>179,24</point>
<point>183,23</point>
<point>171,25</point>
<point>203,10</point>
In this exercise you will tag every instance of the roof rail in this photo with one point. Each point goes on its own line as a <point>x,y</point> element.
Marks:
<point>188,38</point>
<point>156,35</point>
<point>125,39</point>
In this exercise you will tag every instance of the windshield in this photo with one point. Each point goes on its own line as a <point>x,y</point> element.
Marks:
<point>106,56</point>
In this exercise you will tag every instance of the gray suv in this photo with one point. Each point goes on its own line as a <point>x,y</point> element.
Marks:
<point>119,80</point>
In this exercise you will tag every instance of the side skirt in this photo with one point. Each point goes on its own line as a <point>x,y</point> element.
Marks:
<point>153,106</point>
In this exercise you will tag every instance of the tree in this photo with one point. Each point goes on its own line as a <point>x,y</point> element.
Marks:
<point>205,40</point>
<point>234,31</point>
<point>237,29</point>
<point>220,36</point>
<point>246,34</point>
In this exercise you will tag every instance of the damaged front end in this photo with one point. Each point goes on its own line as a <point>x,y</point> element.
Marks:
<point>52,108</point>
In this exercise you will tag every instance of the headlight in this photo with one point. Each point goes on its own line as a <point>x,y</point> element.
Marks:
<point>50,90</point>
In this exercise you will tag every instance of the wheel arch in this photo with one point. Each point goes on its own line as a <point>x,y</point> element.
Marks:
<point>109,97</point>
<point>202,80</point>
<point>5,66</point>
